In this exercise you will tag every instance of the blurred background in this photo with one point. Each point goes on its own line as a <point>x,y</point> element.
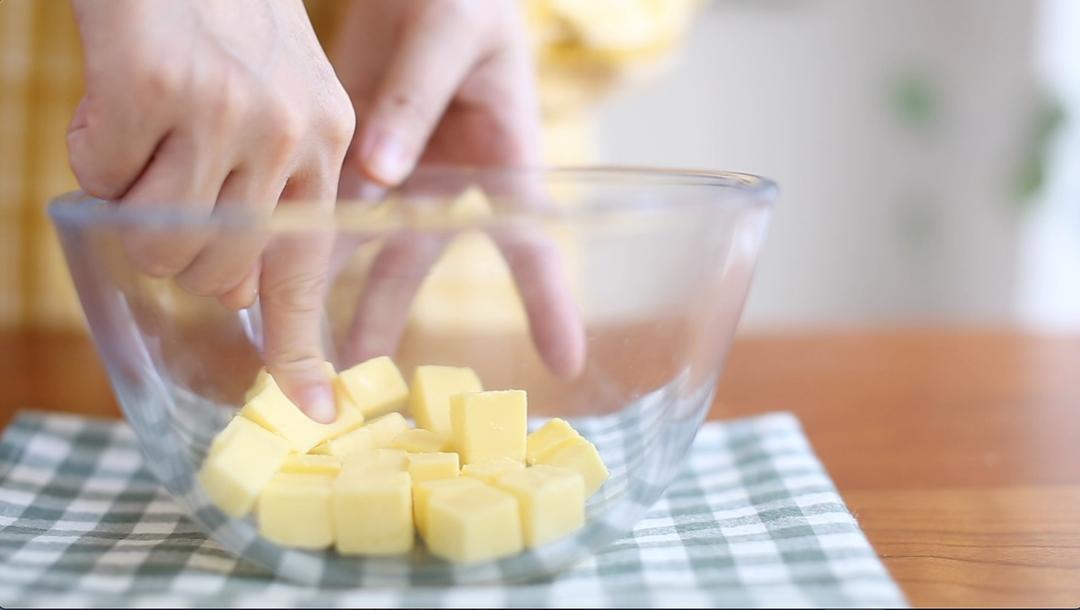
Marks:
<point>928,152</point>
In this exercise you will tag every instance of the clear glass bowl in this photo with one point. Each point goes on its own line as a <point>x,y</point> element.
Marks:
<point>656,264</point>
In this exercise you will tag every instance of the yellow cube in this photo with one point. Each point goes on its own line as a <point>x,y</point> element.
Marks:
<point>312,464</point>
<point>490,470</point>
<point>431,466</point>
<point>424,490</point>
<point>272,410</point>
<point>375,386</point>
<point>552,433</point>
<point>240,464</point>
<point>360,440</point>
<point>429,396</point>
<point>386,428</point>
<point>580,455</point>
<point>473,525</point>
<point>551,500</point>
<point>263,379</point>
<point>294,510</point>
<point>418,440</point>
<point>373,514</point>
<point>488,425</point>
<point>375,461</point>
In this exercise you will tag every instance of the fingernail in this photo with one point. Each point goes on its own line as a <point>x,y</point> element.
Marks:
<point>387,160</point>
<point>318,403</point>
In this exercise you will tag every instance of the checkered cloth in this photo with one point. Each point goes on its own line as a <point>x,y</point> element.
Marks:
<point>752,521</point>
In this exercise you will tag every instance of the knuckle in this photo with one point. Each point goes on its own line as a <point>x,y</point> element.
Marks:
<point>156,80</point>
<point>96,180</point>
<point>155,255</point>
<point>285,129</point>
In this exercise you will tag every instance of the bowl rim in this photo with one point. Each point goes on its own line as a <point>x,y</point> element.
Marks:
<point>72,209</point>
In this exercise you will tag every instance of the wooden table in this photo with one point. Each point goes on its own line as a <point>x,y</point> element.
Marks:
<point>958,450</point>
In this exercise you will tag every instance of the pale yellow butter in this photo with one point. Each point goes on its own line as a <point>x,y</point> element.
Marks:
<point>424,490</point>
<point>474,524</point>
<point>373,514</point>
<point>374,462</point>
<point>242,460</point>
<point>384,429</point>
<point>488,425</point>
<point>375,386</point>
<point>312,464</point>
<point>580,455</point>
<point>431,466</point>
<point>552,433</point>
<point>429,396</point>
<point>294,510</point>
<point>490,470</point>
<point>418,440</point>
<point>551,500</point>
<point>272,410</point>
<point>359,440</point>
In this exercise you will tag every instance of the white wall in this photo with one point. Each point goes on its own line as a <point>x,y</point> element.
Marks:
<point>880,220</point>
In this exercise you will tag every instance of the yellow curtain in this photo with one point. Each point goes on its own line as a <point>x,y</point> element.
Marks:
<point>583,50</point>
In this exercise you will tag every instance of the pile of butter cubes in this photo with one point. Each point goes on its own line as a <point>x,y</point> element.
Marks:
<point>469,479</point>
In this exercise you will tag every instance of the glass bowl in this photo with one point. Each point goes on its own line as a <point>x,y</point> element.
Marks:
<point>651,268</point>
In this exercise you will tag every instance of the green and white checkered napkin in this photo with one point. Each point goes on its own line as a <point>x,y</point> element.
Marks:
<point>752,521</point>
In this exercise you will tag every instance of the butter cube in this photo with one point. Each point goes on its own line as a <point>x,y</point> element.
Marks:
<point>424,490</point>
<point>418,440</point>
<point>312,464</point>
<point>263,379</point>
<point>432,466</point>
<point>375,386</point>
<point>552,433</point>
<point>490,470</point>
<point>580,455</point>
<point>294,510</point>
<point>488,425</point>
<point>473,525</point>
<point>242,461</point>
<point>384,429</point>
<point>429,396</point>
<point>373,514</point>
<point>375,462</point>
<point>551,500</point>
<point>360,440</point>
<point>272,410</point>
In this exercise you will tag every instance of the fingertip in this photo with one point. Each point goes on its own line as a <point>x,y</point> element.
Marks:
<point>386,158</point>
<point>317,401</point>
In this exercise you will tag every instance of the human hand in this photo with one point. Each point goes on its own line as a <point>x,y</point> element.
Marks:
<point>228,106</point>
<point>447,82</point>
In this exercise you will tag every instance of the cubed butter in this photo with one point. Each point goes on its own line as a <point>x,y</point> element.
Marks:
<point>429,396</point>
<point>272,410</point>
<point>418,440</point>
<point>360,440</point>
<point>580,455</point>
<point>488,425</point>
<point>490,470</point>
<point>238,466</point>
<point>375,461</point>
<point>432,466</point>
<point>375,386</point>
<point>263,379</point>
<point>384,429</point>
<point>552,433</point>
<point>312,464</point>
<point>373,514</point>
<point>423,490</point>
<point>551,500</point>
<point>294,510</point>
<point>473,525</point>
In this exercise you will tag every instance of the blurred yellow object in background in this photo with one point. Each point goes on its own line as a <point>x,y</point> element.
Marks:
<point>582,50</point>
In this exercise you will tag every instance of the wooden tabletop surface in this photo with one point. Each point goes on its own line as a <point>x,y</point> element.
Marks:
<point>958,450</point>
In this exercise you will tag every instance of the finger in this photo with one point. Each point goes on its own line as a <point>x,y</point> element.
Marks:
<point>243,294</point>
<point>436,51</point>
<point>292,289</point>
<point>394,278</point>
<point>229,257</point>
<point>554,321</point>
<point>180,182</point>
<point>110,142</point>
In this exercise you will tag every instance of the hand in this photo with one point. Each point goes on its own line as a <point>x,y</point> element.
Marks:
<point>219,106</point>
<point>446,82</point>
